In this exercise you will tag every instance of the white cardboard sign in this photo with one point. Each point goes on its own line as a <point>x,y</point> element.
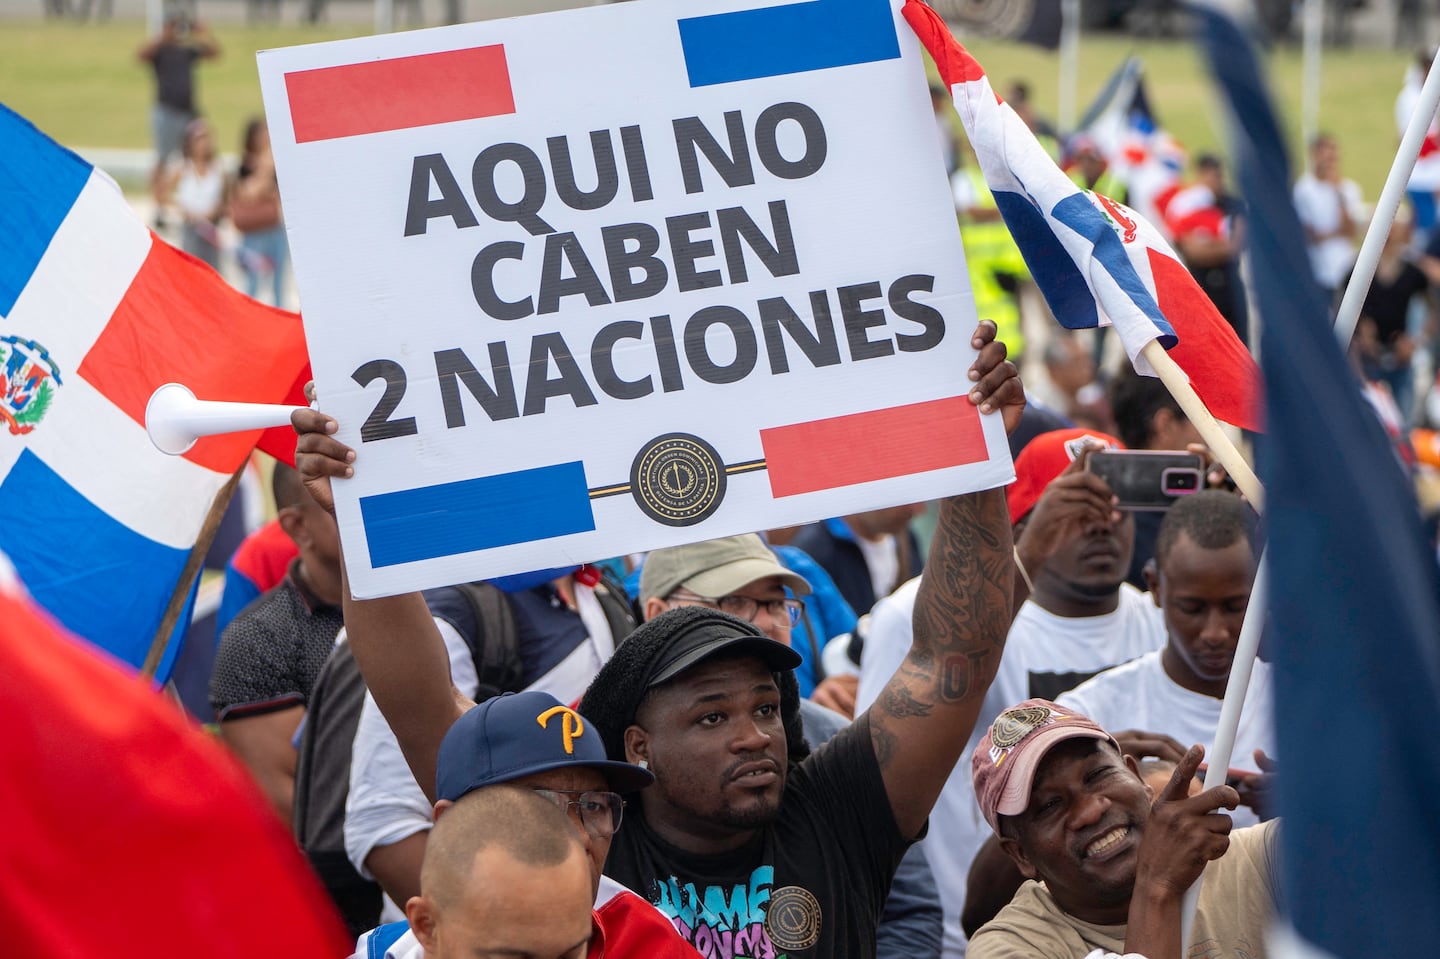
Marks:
<point>611,279</point>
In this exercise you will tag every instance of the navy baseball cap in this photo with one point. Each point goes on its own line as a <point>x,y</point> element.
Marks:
<point>516,734</point>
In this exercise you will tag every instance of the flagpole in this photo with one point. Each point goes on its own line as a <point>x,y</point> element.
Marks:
<point>1247,650</point>
<point>1314,29</point>
<point>193,562</point>
<point>1386,207</point>
<point>1069,64</point>
<point>1209,428</point>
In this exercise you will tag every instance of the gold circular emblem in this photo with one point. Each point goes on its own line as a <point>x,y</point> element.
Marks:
<point>792,920</point>
<point>1014,725</point>
<point>678,479</point>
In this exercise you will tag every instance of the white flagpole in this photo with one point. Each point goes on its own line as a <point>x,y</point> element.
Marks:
<point>1314,29</point>
<point>1386,206</point>
<point>1247,648</point>
<point>1069,64</point>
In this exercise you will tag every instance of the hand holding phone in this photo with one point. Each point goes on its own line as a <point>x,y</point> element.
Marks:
<point>1148,480</point>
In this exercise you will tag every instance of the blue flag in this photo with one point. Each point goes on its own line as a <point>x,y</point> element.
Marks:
<point>1354,620</point>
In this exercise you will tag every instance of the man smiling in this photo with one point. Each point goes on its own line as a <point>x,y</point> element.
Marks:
<point>1111,869</point>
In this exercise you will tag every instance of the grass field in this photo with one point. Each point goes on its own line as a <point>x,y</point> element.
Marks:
<point>82,84</point>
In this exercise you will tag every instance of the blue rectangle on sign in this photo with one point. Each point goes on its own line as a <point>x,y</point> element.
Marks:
<point>483,513</point>
<point>785,39</point>
<point>39,183</point>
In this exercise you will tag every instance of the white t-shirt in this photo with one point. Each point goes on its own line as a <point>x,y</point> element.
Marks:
<point>1044,655</point>
<point>1318,204</point>
<point>198,195</point>
<point>386,804</point>
<point>882,559</point>
<point>1139,695</point>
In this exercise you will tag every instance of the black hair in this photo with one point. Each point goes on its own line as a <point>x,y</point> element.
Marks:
<point>252,132</point>
<point>286,486</point>
<point>1134,401</point>
<point>1212,519</point>
<point>1208,161</point>
<point>615,695</point>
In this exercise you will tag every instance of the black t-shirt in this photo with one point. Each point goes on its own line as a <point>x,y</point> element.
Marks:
<point>271,653</point>
<point>175,76</point>
<point>812,884</point>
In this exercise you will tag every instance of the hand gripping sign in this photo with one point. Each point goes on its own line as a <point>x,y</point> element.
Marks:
<point>592,282</point>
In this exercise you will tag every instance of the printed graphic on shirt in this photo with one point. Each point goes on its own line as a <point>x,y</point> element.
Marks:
<point>742,921</point>
<point>1051,685</point>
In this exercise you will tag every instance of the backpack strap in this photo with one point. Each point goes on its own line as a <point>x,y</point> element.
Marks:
<point>495,645</point>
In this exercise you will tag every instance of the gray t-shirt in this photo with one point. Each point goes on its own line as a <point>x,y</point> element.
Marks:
<point>1237,904</point>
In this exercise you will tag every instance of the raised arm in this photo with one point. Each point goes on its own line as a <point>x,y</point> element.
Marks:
<point>920,722</point>
<point>394,640</point>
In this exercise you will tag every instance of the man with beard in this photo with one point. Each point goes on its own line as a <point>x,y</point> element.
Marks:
<point>1073,547</point>
<point>1109,870</point>
<point>711,706</point>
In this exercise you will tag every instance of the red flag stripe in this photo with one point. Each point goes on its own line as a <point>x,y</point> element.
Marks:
<point>864,447</point>
<point>1220,368</point>
<point>179,322</point>
<point>399,94</point>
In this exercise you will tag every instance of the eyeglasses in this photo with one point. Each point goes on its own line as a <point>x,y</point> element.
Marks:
<point>599,811</point>
<point>745,607</point>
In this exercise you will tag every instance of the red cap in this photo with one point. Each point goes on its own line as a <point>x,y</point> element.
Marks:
<point>1004,763</point>
<point>1044,458</point>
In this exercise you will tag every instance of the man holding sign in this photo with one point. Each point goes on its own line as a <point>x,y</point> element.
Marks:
<point>568,321</point>
<point>708,702</point>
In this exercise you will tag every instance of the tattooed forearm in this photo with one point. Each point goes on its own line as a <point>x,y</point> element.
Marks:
<point>896,700</point>
<point>920,722</point>
<point>962,610</point>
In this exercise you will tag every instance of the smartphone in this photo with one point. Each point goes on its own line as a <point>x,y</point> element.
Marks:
<point>1148,480</point>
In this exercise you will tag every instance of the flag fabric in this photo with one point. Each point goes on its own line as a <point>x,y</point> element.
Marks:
<point>131,833</point>
<point>1137,149</point>
<point>96,312</point>
<point>1354,619</point>
<point>1096,261</point>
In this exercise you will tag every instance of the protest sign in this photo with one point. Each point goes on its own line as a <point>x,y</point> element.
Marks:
<point>617,278</point>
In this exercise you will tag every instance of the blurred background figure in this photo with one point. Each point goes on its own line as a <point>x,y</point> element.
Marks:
<point>1073,387</point>
<point>1332,214</point>
<point>197,187</point>
<point>255,212</point>
<point>172,54</point>
<point>1425,178</point>
<point>1206,223</point>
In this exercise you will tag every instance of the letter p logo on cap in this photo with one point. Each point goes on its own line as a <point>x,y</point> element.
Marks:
<point>571,725</point>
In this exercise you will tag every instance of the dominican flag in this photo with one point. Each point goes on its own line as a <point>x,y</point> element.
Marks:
<point>1140,153</point>
<point>1097,262</point>
<point>96,312</point>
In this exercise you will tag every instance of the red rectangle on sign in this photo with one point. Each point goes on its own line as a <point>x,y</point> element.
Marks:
<point>863,447</point>
<point>399,94</point>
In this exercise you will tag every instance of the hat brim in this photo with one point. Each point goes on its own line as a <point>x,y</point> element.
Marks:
<point>776,656</point>
<point>621,777</point>
<point>736,575</point>
<point>1015,793</point>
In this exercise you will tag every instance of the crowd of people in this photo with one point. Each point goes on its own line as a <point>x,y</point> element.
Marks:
<point>815,741</point>
<point>923,730</point>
